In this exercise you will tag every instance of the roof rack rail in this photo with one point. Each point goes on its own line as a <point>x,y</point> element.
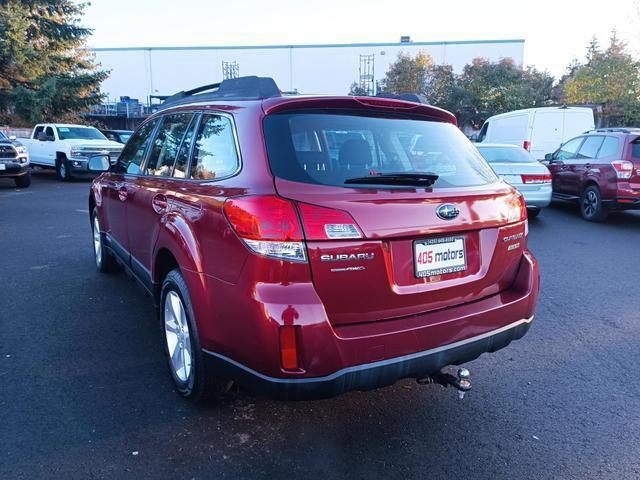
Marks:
<point>614,129</point>
<point>240,88</point>
<point>407,97</point>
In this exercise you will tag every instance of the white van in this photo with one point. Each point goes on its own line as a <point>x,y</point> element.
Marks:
<point>538,130</point>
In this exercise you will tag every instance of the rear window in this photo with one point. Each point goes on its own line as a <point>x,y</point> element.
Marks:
<point>329,148</point>
<point>506,155</point>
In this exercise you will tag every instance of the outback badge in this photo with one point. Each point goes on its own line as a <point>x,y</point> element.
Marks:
<point>447,211</point>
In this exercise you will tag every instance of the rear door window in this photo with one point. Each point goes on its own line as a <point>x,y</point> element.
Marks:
<point>569,149</point>
<point>166,144</point>
<point>590,147</point>
<point>329,148</point>
<point>215,154</point>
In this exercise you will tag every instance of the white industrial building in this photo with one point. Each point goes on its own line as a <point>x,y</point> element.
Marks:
<point>308,69</point>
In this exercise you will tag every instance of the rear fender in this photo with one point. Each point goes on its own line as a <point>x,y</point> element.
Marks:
<point>177,236</point>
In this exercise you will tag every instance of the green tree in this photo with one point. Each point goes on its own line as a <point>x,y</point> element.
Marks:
<point>46,71</point>
<point>609,78</point>
<point>487,88</point>
<point>407,74</point>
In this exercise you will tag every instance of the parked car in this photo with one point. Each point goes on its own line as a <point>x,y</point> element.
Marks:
<point>517,167</point>
<point>600,170</point>
<point>67,148</point>
<point>14,161</point>
<point>537,130</point>
<point>120,136</point>
<point>299,270</point>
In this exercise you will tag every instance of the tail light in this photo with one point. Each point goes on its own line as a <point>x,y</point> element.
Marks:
<point>289,347</point>
<point>268,225</point>
<point>517,209</point>
<point>322,223</point>
<point>623,168</point>
<point>536,179</point>
<point>526,145</point>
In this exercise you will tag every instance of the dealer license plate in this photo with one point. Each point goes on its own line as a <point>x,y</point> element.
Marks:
<point>438,256</point>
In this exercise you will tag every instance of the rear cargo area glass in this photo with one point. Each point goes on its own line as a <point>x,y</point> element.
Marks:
<point>329,148</point>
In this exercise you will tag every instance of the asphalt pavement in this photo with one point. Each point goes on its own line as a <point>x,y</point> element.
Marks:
<point>85,392</point>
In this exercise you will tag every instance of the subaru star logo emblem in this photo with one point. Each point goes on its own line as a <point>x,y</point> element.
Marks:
<point>447,211</point>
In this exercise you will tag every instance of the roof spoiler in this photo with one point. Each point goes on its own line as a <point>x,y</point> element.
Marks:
<point>241,88</point>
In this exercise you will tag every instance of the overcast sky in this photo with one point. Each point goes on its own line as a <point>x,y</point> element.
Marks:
<point>555,31</point>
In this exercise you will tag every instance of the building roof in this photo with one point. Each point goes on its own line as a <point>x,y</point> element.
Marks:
<point>320,45</point>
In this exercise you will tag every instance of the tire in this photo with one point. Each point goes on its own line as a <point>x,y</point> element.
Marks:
<point>180,337</point>
<point>23,181</point>
<point>533,212</point>
<point>105,261</point>
<point>591,207</point>
<point>62,169</point>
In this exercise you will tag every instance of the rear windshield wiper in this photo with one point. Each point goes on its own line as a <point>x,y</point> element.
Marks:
<point>425,179</point>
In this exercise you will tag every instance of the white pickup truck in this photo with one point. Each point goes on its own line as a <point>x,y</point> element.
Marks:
<point>67,148</point>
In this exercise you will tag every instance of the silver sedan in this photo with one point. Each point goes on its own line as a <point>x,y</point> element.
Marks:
<point>517,167</point>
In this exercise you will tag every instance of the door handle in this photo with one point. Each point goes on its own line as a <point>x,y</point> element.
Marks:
<point>159,203</point>
<point>123,193</point>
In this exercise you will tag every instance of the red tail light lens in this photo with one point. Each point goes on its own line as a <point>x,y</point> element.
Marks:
<point>268,225</point>
<point>536,179</point>
<point>526,145</point>
<point>289,347</point>
<point>322,223</point>
<point>624,169</point>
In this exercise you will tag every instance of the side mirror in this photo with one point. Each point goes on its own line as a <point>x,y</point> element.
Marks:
<point>548,157</point>
<point>474,137</point>
<point>42,137</point>
<point>13,138</point>
<point>99,163</point>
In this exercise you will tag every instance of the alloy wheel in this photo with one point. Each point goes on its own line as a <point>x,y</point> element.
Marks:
<point>176,328</point>
<point>590,203</point>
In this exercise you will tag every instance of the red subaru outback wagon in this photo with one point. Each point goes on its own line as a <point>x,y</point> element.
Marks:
<point>308,246</point>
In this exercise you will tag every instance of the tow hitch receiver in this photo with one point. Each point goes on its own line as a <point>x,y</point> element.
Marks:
<point>460,382</point>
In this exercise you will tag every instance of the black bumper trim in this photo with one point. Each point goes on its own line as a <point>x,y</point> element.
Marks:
<point>368,376</point>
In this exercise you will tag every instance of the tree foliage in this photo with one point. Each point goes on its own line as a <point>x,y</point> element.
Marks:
<point>483,88</point>
<point>609,78</point>
<point>46,72</point>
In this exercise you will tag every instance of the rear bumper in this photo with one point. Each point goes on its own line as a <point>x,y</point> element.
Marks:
<point>372,375</point>
<point>536,197</point>
<point>339,358</point>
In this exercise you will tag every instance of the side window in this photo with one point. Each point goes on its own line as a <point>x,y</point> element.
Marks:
<point>182,161</point>
<point>38,130</point>
<point>166,144</point>
<point>568,150</point>
<point>590,147</point>
<point>214,154</point>
<point>49,133</point>
<point>133,153</point>
<point>611,147</point>
<point>110,136</point>
<point>483,132</point>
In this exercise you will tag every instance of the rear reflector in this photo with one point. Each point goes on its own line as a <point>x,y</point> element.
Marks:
<point>268,225</point>
<point>533,179</point>
<point>289,347</point>
<point>623,168</point>
<point>526,145</point>
<point>321,223</point>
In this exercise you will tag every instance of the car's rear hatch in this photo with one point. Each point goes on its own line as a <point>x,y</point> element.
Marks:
<point>376,277</point>
<point>409,249</point>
